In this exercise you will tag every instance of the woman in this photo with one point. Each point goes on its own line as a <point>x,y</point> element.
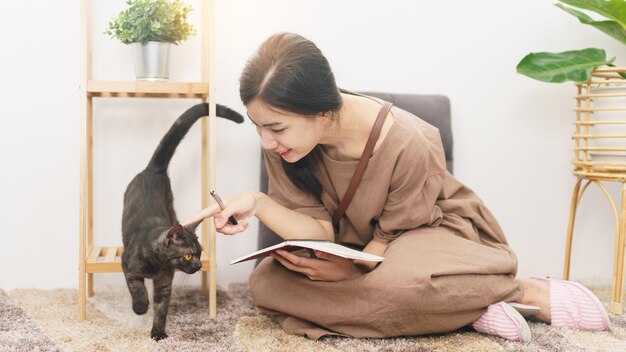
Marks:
<point>447,263</point>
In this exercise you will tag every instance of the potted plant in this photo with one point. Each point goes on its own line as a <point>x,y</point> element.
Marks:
<point>577,65</point>
<point>151,27</point>
<point>600,122</point>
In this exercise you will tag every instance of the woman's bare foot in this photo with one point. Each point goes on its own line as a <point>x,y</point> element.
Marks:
<point>537,293</point>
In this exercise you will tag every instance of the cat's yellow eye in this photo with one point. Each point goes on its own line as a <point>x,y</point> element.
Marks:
<point>188,257</point>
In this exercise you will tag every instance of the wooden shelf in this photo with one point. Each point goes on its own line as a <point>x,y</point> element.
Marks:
<point>109,260</point>
<point>147,89</point>
<point>106,259</point>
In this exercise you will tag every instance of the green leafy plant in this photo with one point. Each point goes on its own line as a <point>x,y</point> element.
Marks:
<point>152,20</point>
<point>577,65</point>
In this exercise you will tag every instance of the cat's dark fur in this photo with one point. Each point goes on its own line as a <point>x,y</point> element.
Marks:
<point>155,244</point>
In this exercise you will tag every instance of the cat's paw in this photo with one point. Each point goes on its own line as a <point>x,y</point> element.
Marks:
<point>158,336</point>
<point>140,307</point>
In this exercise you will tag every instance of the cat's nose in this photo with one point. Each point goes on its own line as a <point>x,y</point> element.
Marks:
<point>197,266</point>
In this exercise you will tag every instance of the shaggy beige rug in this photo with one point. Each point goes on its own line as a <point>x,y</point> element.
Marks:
<point>38,320</point>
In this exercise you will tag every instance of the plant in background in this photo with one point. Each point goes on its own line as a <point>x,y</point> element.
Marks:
<point>152,21</point>
<point>577,65</point>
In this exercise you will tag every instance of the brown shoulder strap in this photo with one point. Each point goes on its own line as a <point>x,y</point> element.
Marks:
<point>362,165</point>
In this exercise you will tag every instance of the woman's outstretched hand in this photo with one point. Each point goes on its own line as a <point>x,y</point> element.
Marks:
<point>326,267</point>
<point>242,206</point>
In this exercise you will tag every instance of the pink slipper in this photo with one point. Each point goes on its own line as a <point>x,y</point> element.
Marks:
<point>573,306</point>
<point>502,320</point>
<point>524,309</point>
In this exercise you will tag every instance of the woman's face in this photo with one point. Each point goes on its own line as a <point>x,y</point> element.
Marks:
<point>290,135</point>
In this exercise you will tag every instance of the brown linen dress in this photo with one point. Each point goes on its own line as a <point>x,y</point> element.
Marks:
<point>447,258</point>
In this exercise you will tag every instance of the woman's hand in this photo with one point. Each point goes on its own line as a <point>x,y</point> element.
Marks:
<point>242,206</point>
<point>326,267</point>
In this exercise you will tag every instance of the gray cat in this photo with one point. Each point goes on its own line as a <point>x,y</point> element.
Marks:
<point>155,244</point>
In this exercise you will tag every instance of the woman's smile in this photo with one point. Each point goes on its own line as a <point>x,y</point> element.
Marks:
<point>285,153</point>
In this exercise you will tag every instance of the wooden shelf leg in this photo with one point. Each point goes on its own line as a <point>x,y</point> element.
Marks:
<point>205,281</point>
<point>81,266</point>
<point>570,229</point>
<point>81,298</point>
<point>85,111</point>
<point>617,295</point>
<point>90,188</point>
<point>209,72</point>
<point>90,285</point>
<point>213,278</point>
<point>82,230</point>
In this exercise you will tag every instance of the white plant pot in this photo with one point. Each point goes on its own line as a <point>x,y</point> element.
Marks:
<point>152,61</point>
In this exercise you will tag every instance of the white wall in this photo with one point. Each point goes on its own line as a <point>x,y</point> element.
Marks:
<point>511,134</point>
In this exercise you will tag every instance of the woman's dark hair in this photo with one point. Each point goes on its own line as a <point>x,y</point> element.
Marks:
<point>290,73</point>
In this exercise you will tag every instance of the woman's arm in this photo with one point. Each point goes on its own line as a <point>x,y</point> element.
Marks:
<point>375,247</point>
<point>290,224</point>
<point>287,223</point>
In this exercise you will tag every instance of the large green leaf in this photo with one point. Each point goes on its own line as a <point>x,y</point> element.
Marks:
<point>611,28</point>
<point>612,9</point>
<point>565,66</point>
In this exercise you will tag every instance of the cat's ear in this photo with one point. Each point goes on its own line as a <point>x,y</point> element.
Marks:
<point>194,225</point>
<point>173,235</point>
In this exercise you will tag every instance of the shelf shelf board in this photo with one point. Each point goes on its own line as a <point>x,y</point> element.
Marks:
<point>146,89</point>
<point>108,260</point>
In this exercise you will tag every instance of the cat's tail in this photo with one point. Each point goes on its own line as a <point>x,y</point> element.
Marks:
<point>164,152</point>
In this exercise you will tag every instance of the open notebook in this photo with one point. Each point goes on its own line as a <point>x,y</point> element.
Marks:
<point>322,246</point>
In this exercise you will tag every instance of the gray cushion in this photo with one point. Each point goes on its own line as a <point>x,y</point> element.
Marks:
<point>434,109</point>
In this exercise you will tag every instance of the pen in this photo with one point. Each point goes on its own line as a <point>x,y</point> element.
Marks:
<point>221,204</point>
